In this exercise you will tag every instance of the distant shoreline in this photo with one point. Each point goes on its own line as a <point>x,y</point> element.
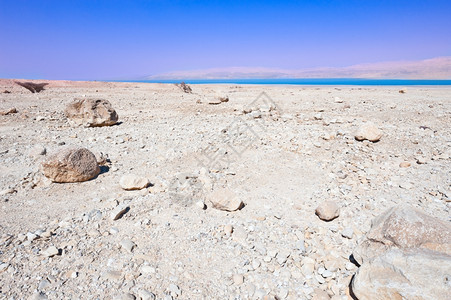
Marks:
<point>307,81</point>
<point>318,82</point>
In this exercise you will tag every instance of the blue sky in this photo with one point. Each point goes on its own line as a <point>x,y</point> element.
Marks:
<point>129,39</point>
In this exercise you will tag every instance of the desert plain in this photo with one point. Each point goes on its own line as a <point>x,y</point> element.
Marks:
<point>281,150</point>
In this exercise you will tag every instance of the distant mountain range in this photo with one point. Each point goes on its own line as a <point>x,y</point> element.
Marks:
<point>435,68</point>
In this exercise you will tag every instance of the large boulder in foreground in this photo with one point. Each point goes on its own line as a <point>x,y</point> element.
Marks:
<point>71,164</point>
<point>404,274</point>
<point>91,112</point>
<point>404,227</point>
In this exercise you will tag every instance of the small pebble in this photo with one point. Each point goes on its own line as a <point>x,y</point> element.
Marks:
<point>238,279</point>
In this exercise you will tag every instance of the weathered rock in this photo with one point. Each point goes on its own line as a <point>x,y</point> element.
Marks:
<point>71,164</point>
<point>327,211</point>
<point>368,132</point>
<point>404,274</point>
<point>133,182</point>
<point>119,211</point>
<point>91,112</point>
<point>404,227</point>
<point>225,199</point>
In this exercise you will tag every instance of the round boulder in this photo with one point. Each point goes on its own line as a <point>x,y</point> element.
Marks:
<point>327,211</point>
<point>71,164</point>
<point>368,132</point>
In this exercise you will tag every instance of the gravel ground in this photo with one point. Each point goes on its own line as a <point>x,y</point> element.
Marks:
<point>282,150</point>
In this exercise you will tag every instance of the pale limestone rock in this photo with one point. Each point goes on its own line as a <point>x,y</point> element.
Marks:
<point>368,132</point>
<point>133,182</point>
<point>404,274</point>
<point>328,210</point>
<point>91,112</point>
<point>128,245</point>
<point>225,199</point>
<point>238,279</point>
<point>404,227</point>
<point>50,251</point>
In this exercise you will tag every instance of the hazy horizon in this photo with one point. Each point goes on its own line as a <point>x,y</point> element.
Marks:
<point>100,40</point>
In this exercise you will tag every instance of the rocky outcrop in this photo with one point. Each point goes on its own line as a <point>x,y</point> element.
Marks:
<point>91,112</point>
<point>71,164</point>
<point>404,227</point>
<point>404,274</point>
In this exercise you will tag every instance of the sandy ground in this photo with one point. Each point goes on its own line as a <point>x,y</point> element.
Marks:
<point>281,164</point>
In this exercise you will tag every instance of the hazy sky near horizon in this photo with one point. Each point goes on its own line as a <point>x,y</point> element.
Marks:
<point>113,39</point>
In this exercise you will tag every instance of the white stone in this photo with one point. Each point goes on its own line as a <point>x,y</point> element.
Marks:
<point>133,182</point>
<point>50,251</point>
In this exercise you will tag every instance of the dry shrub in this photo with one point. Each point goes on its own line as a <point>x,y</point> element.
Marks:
<point>185,88</point>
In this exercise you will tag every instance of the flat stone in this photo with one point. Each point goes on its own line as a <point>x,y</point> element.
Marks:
<point>50,251</point>
<point>348,232</point>
<point>225,199</point>
<point>128,245</point>
<point>238,279</point>
<point>405,164</point>
<point>119,211</point>
<point>133,182</point>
